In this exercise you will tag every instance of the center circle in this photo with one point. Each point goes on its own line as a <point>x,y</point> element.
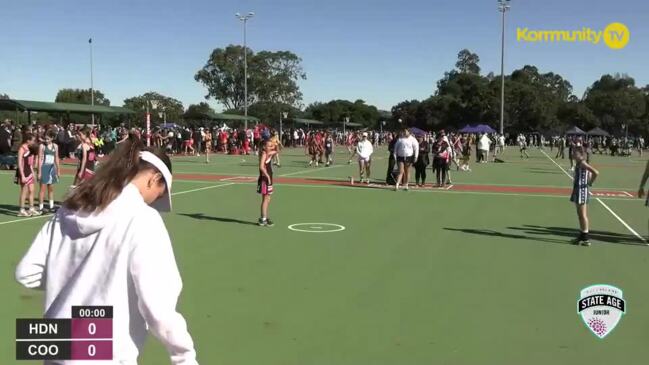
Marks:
<point>316,227</point>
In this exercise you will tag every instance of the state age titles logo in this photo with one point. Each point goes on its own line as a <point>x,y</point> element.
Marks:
<point>601,308</point>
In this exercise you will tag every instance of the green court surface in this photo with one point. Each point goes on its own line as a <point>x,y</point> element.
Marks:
<point>482,273</point>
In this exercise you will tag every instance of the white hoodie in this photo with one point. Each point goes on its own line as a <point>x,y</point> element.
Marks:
<point>121,257</point>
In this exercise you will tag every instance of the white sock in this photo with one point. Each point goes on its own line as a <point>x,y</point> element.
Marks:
<point>40,206</point>
<point>51,204</point>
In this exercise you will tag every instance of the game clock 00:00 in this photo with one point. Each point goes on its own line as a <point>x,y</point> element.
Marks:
<point>87,335</point>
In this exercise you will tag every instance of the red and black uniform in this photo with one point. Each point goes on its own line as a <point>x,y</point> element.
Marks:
<point>91,159</point>
<point>28,170</point>
<point>264,186</point>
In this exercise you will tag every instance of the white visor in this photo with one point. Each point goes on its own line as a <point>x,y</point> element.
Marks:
<point>162,204</point>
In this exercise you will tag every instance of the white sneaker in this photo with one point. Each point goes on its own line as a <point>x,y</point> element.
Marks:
<point>34,212</point>
<point>24,213</point>
<point>396,187</point>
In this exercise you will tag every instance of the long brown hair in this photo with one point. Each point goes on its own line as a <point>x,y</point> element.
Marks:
<point>120,168</point>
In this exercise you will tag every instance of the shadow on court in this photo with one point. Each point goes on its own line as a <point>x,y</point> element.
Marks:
<point>493,233</point>
<point>569,233</point>
<point>537,170</point>
<point>10,210</point>
<point>544,234</point>
<point>202,216</point>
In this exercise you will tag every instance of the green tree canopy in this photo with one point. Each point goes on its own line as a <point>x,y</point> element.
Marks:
<point>272,77</point>
<point>81,96</point>
<point>615,100</point>
<point>158,106</point>
<point>467,62</point>
<point>196,111</point>
<point>337,110</point>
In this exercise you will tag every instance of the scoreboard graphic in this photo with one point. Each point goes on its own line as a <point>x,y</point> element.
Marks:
<point>88,335</point>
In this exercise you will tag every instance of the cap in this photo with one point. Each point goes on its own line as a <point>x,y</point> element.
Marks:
<point>162,204</point>
<point>364,134</point>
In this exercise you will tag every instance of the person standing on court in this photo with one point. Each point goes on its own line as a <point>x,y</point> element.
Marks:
<point>364,150</point>
<point>108,246</point>
<point>422,161</point>
<point>406,152</point>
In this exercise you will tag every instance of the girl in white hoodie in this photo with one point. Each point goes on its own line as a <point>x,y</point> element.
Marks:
<point>108,245</point>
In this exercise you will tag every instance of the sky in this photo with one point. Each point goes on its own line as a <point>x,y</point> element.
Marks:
<point>381,51</point>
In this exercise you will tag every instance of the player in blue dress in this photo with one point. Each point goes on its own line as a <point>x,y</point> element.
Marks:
<point>583,179</point>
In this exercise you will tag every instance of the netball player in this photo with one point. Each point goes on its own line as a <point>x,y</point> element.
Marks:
<point>584,178</point>
<point>406,152</point>
<point>364,150</point>
<point>48,169</point>
<point>643,182</point>
<point>208,144</point>
<point>352,140</point>
<point>311,147</point>
<point>329,149</point>
<point>522,144</point>
<point>87,159</point>
<point>275,140</point>
<point>265,181</point>
<point>108,245</point>
<point>24,178</point>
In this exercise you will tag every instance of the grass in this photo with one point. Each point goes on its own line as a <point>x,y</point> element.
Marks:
<point>419,277</point>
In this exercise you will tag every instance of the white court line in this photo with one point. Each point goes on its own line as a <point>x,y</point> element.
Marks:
<point>239,178</point>
<point>201,189</point>
<point>172,194</point>
<point>629,194</point>
<point>310,169</point>
<point>603,204</point>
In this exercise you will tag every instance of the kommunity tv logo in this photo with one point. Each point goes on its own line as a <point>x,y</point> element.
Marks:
<point>615,35</point>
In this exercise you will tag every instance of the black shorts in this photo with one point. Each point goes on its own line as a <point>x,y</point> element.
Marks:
<point>408,160</point>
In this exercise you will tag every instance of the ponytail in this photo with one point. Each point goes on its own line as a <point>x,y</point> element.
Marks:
<point>115,173</point>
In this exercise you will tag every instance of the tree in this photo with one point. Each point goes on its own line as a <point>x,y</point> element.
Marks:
<point>467,62</point>
<point>335,111</point>
<point>197,111</point>
<point>269,112</point>
<point>532,99</point>
<point>165,105</point>
<point>404,114</point>
<point>272,77</point>
<point>575,112</point>
<point>615,100</point>
<point>81,96</point>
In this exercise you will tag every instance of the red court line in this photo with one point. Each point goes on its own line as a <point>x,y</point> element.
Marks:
<point>455,187</point>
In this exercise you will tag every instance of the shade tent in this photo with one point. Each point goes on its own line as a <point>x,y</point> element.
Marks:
<point>30,106</point>
<point>598,132</point>
<point>575,131</point>
<point>307,121</point>
<point>480,128</point>
<point>44,106</point>
<point>351,124</point>
<point>230,117</point>
<point>417,132</point>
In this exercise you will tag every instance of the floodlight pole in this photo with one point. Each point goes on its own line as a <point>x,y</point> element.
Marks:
<point>244,19</point>
<point>92,88</point>
<point>503,7</point>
